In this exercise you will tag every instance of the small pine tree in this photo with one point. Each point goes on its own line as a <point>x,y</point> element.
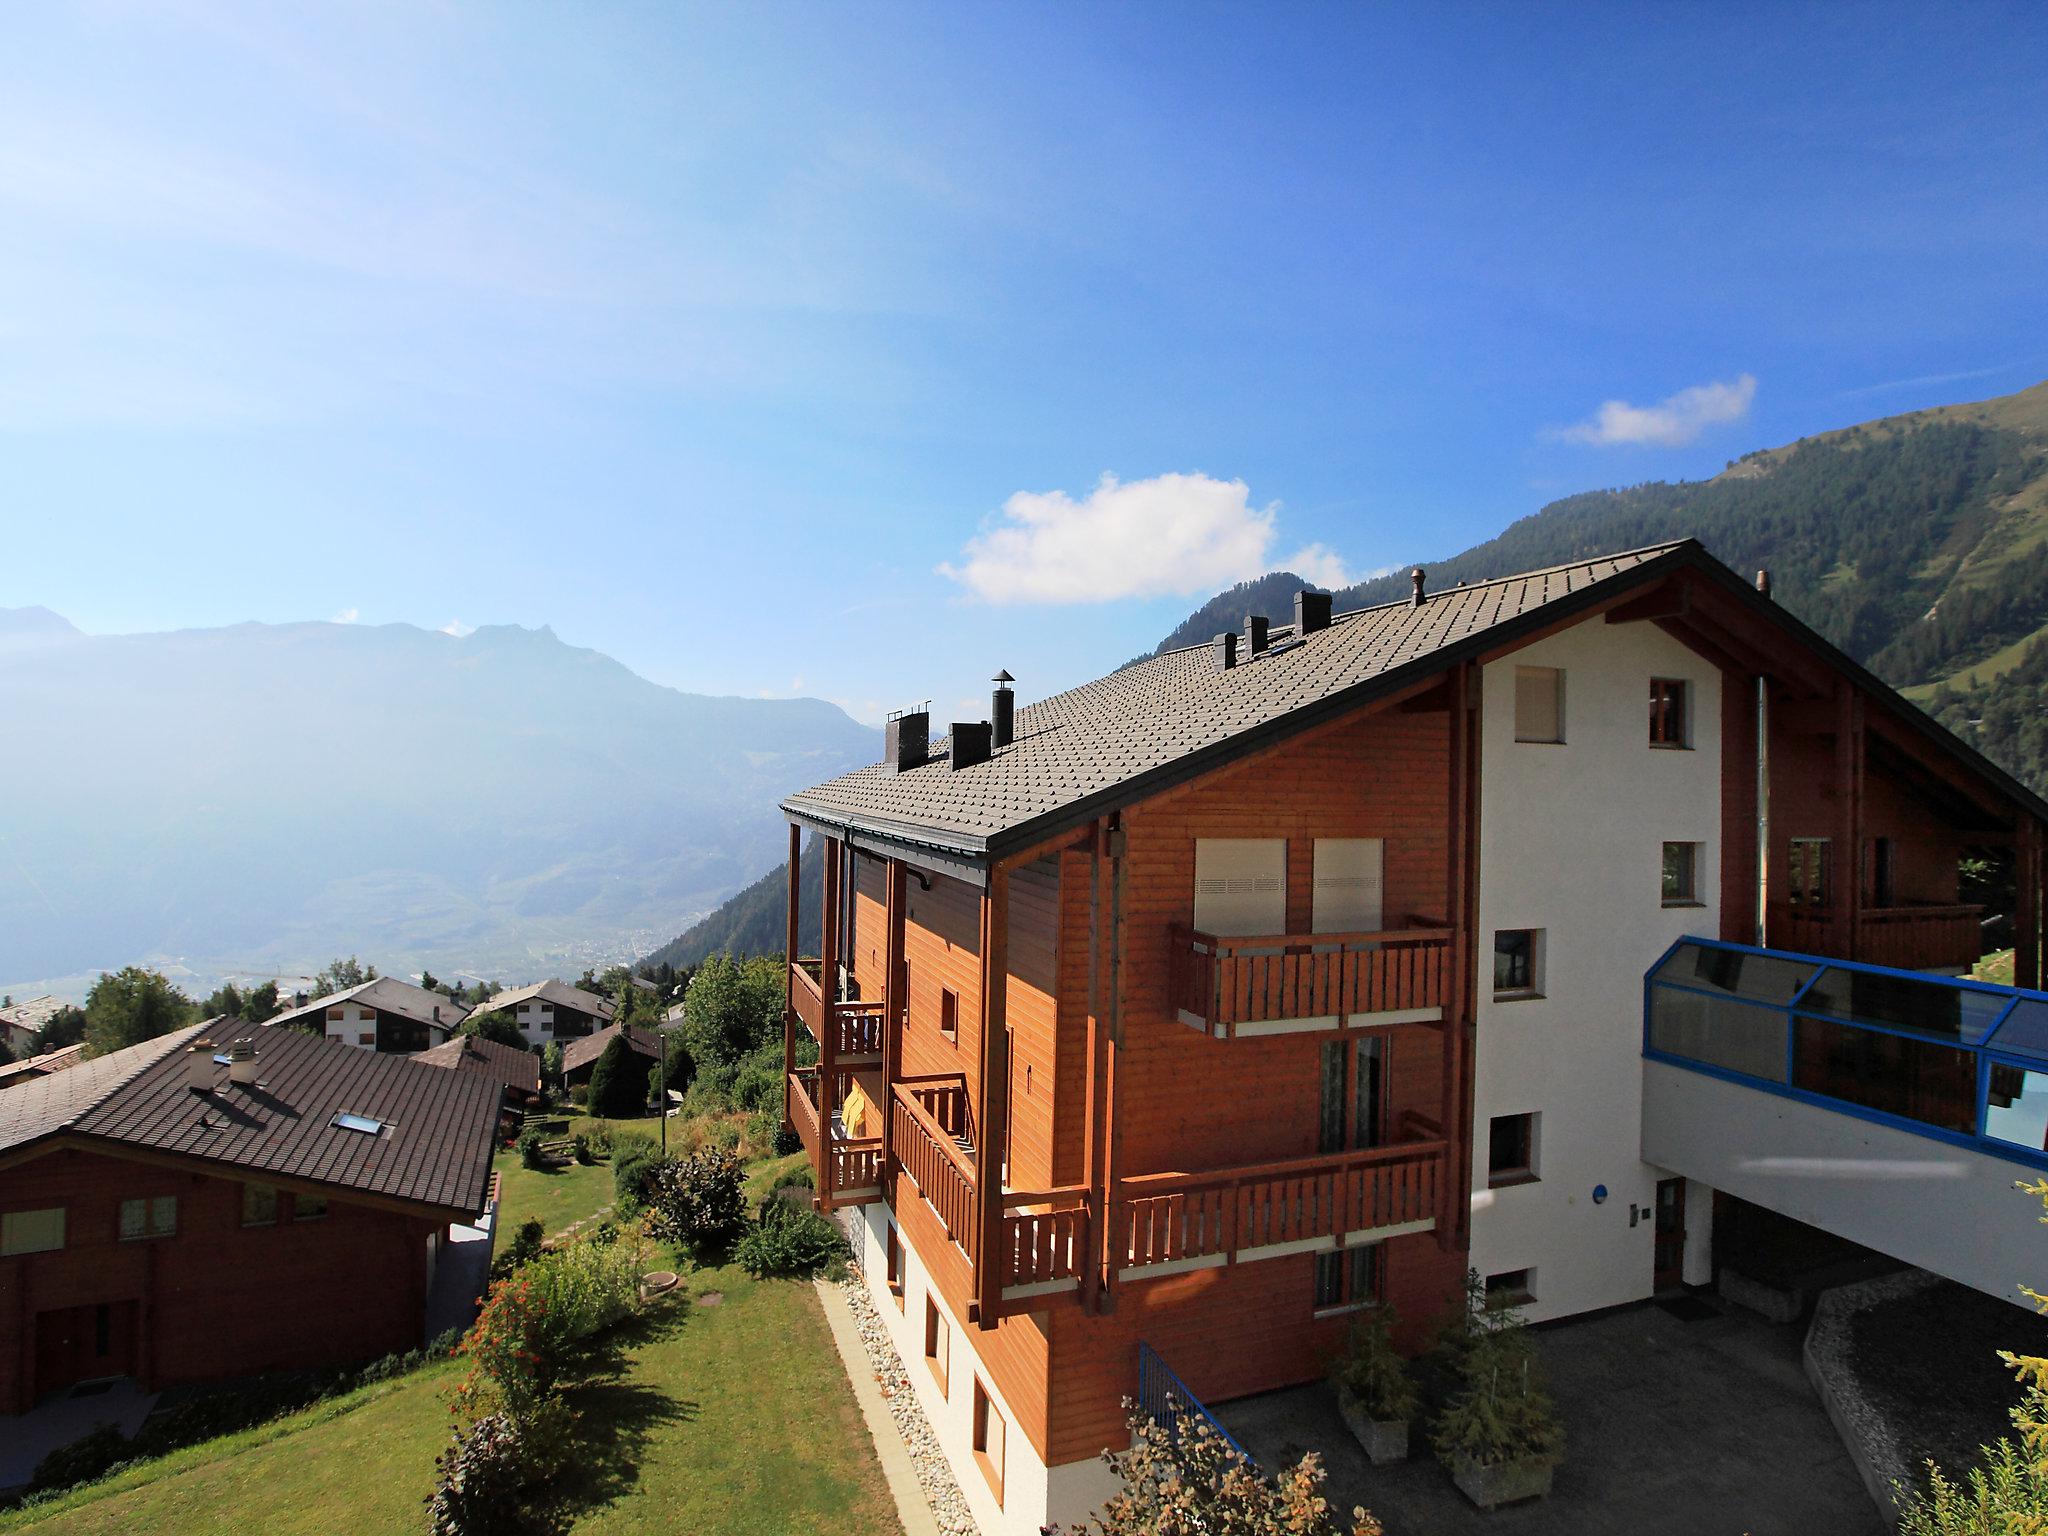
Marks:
<point>616,1089</point>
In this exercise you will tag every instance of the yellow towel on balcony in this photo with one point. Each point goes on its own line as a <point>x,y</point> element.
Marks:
<point>853,1111</point>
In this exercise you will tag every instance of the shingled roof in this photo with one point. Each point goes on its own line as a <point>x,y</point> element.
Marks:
<point>514,1066</point>
<point>433,1149</point>
<point>559,993</point>
<point>386,994</point>
<point>587,1048</point>
<point>1113,738</point>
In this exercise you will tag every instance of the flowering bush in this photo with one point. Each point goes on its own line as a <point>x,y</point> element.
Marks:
<point>514,1353</point>
<point>588,1285</point>
<point>482,1476</point>
<point>697,1200</point>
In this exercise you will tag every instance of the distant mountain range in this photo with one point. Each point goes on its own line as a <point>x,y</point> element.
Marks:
<point>1917,543</point>
<point>262,798</point>
<point>755,922</point>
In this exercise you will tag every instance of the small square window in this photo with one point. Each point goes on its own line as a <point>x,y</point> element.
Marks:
<point>157,1217</point>
<point>334,1015</point>
<point>1810,880</point>
<point>1539,704</point>
<point>309,1207</point>
<point>1511,1150</point>
<point>1353,1278</point>
<point>1681,874</point>
<point>369,1038</point>
<point>989,1435</point>
<point>938,1341</point>
<point>1669,716</point>
<point>1511,1288</point>
<point>32,1231</point>
<point>259,1205</point>
<point>1517,962</point>
<point>949,1014</point>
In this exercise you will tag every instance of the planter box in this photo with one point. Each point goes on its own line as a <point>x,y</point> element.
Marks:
<point>1385,1441</point>
<point>1505,1482</point>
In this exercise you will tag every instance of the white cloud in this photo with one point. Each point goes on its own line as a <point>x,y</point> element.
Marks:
<point>458,629</point>
<point>1672,422</point>
<point>1170,535</point>
<point>346,616</point>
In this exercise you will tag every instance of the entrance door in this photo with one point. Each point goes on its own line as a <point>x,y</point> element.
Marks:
<point>1669,1263</point>
<point>75,1344</point>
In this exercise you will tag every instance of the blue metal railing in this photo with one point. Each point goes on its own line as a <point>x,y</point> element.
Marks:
<point>1954,1060</point>
<point>1169,1403</point>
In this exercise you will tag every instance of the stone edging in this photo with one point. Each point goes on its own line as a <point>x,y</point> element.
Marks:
<point>1866,1434</point>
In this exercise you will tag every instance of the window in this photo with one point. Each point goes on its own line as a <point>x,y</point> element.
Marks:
<point>989,1435</point>
<point>1669,722</point>
<point>309,1207</point>
<point>1511,1150</point>
<point>1539,704</point>
<point>1518,962</point>
<point>1354,1278</point>
<point>367,1125</point>
<point>367,1038</point>
<point>949,1014</point>
<point>1809,879</point>
<point>156,1217</point>
<point>334,1015</point>
<point>896,1264</point>
<point>259,1205</point>
<point>1511,1288</point>
<point>1241,886</point>
<point>1681,874</point>
<point>32,1231</point>
<point>938,1341</point>
<point>1351,1115</point>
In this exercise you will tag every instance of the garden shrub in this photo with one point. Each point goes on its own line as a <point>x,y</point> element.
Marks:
<point>526,1245</point>
<point>618,1086</point>
<point>84,1460</point>
<point>634,1161</point>
<point>697,1200</point>
<point>787,1140</point>
<point>481,1479</point>
<point>530,1153</point>
<point>586,1286</point>
<point>579,1094</point>
<point>789,1239</point>
<point>1497,1410</point>
<point>579,1148</point>
<point>514,1352</point>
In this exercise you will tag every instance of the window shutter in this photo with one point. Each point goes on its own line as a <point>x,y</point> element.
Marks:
<point>1350,885</point>
<point>1241,885</point>
<point>1539,704</point>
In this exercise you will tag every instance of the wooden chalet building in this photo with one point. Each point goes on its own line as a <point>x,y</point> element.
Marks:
<point>384,1014</point>
<point>182,1212</point>
<point>579,1057</point>
<point>553,1010</point>
<point>1177,1017</point>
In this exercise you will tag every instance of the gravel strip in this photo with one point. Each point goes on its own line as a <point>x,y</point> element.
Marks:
<point>1874,1442</point>
<point>934,1473</point>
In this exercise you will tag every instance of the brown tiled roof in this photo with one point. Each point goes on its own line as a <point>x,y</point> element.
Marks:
<point>59,1060</point>
<point>434,1149</point>
<point>1113,738</point>
<point>387,994</point>
<point>560,993</point>
<point>514,1066</point>
<point>587,1048</point>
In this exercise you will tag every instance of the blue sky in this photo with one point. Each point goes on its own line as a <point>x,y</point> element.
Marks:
<point>786,348</point>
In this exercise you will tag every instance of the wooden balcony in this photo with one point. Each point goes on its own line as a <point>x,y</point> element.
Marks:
<point>1298,982</point>
<point>849,1167</point>
<point>1911,938</point>
<point>856,1027</point>
<point>1168,1223</point>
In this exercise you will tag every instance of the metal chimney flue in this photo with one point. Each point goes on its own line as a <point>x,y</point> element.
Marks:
<point>1224,649</point>
<point>1311,612</point>
<point>1002,715</point>
<point>1763,583</point>
<point>1255,628</point>
<point>1418,576</point>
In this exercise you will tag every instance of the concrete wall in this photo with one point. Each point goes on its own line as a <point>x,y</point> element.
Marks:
<point>1941,1207</point>
<point>1571,842</point>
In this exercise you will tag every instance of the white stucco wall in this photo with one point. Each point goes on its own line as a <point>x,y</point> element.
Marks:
<point>354,1022</point>
<point>1571,843</point>
<point>536,1022</point>
<point>1032,1496</point>
<point>1942,1207</point>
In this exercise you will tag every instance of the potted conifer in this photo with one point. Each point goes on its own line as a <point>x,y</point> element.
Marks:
<point>1375,1394</point>
<point>1498,1432</point>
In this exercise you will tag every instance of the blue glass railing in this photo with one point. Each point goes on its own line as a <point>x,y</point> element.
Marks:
<point>1959,1061</point>
<point>1169,1403</point>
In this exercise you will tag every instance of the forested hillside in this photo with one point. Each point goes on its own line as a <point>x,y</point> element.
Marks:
<point>755,922</point>
<point>1919,544</point>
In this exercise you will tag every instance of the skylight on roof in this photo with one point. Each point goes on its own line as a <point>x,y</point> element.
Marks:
<point>364,1123</point>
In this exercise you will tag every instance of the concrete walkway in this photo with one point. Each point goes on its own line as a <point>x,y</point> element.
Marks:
<point>25,1439</point>
<point>897,1471</point>
<point>1706,1428</point>
<point>461,1275</point>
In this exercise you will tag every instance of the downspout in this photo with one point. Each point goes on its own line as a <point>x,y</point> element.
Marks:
<point>1763,811</point>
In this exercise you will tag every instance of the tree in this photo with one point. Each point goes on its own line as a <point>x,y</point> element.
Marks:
<point>131,1006</point>
<point>225,1002</point>
<point>340,975</point>
<point>551,1062</point>
<point>495,1025</point>
<point>428,981</point>
<point>617,1089</point>
<point>260,1004</point>
<point>64,1027</point>
<point>733,1007</point>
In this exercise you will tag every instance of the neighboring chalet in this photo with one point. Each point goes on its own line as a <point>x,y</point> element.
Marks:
<point>579,1057</point>
<point>15,1073</point>
<point>175,1215</point>
<point>21,1024</point>
<point>552,1010</point>
<point>516,1071</point>
<point>1199,1007</point>
<point>386,1015</point>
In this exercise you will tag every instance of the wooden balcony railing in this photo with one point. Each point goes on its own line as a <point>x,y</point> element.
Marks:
<point>850,1167</point>
<point>1045,1242</point>
<point>1328,980</point>
<point>1915,938</point>
<point>1188,1220</point>
<point>856,1026</point>
<point>807,996</point>
<point>928,1149</point>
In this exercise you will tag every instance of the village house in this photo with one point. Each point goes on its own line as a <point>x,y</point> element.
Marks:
<point>579,1057</point>
<point>21,1024</point>
<point>223,1201</point>
<point>382,1015</point>
<point>1167,1023</point>
<point>516,1071</point>
<point>552,1010</point>
<point>29,1068</point>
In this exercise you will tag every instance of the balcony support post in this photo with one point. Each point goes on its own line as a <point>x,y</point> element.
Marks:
<point>992,1095</point>
<point>789,959</point>
<point>828,1048</point>
<point>1461,844</point>
<point>2026,938</point>
<point>1848,893</point>
<point>895,1005</point>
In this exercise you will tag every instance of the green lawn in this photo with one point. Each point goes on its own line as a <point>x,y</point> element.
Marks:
<point>1998,968</point>
<point>559,1196</point>
<point>732,1418</point>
